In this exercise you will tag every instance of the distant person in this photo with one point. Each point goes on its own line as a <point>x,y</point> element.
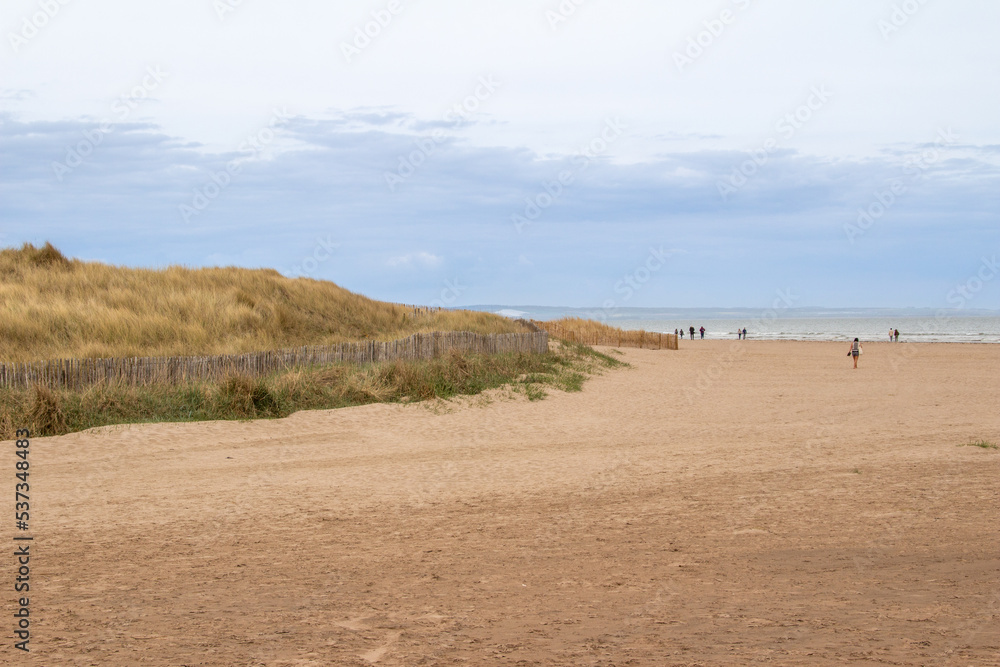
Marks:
<point>744,333</point>
<point>739,334</point>
<point>682,334</point>
<point>691,331</point>
<point>897,335</point>
<point>855,351</point>
<point>890,335</point>
<point>702,330</point>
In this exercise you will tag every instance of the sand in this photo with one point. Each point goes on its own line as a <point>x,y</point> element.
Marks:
<point>725,504</point>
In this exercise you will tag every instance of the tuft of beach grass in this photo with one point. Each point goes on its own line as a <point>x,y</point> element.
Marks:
<point>982,444</point>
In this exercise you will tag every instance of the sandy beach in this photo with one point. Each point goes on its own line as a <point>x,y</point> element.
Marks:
<point>725,504</point>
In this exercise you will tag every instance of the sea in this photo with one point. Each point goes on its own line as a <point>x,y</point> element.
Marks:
<point>820,324</point>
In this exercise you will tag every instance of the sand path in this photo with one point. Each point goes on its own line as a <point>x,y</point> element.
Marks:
<point>719,505</point>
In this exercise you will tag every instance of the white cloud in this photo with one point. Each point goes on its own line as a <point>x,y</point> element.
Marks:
<point>420,259</point>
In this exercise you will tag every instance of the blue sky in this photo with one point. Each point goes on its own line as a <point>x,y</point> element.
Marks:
<point>662,154</point>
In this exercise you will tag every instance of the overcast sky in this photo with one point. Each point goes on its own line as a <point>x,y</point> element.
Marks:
<point>579,153</point>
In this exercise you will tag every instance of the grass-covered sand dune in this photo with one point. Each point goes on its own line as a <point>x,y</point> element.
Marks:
<point>54,307</point>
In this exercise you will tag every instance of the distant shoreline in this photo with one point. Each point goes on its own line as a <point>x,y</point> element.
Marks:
<point>636,313</point>
<point>864,341</point>
<point>804,324</point>
<point>915,330</point>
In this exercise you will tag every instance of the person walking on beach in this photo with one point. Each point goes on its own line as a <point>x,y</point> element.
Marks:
<point>691,329</point>
<point>890,335</point>
<point>744,333</point>
<point>897,335</point>
<point>702,333</point>
<point>739,334</point>
<point>855,351</point>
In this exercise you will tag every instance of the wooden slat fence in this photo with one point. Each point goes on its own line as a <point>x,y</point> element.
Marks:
<point>649,340</point>
<point>80,373</point>
<point>419,311</point>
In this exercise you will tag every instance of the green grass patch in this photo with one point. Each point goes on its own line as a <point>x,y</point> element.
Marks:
<point>534,391</point>
<point>51,412</point>
<point>580,353</point>
<point>983,444</point>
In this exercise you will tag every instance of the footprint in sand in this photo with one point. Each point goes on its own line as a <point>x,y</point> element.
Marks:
<point>377,654</point>
<point>356,624</point>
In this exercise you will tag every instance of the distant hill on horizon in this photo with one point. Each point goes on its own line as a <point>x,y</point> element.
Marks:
<point>635,313</point>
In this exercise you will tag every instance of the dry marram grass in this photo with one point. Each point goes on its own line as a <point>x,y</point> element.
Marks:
<point>591,332</point>
<point>54,307</point>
